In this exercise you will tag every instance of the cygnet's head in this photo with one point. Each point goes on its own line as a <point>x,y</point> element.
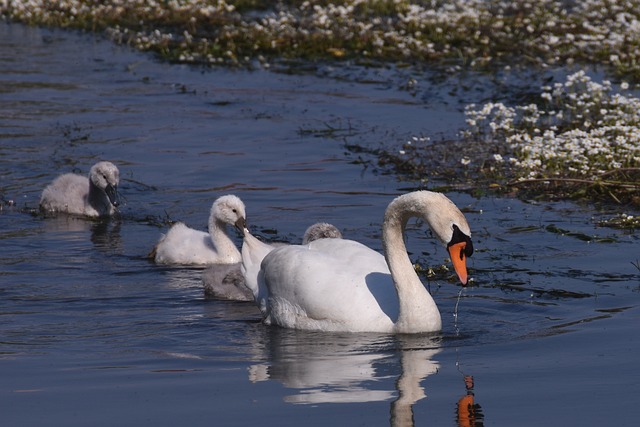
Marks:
<point>321,230</point>
<point>229,209</point>
<point>106,177</point>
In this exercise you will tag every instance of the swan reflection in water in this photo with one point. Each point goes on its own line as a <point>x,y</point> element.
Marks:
<point>348,368</point>
<point>325,367</point>
<point>468,412</point>
<point>105,232</point>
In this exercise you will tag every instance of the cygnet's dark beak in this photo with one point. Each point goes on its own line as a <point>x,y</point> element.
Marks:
<point>241,224</point>
<point>112,194</point>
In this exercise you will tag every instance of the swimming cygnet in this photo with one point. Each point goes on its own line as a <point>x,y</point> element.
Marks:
<point>321,230</point>
<point>184,245</point>
<point>226,282</point>
<point>76,194</point>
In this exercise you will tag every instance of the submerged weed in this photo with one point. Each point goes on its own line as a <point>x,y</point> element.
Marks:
<point>622,221</point>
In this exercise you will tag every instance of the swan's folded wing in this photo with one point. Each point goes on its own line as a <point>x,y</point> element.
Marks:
<point>67,193</point>
<point>326,281</point>
<point>184,245</point>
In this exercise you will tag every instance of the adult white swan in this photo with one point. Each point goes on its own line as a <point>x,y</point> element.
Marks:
<point>342,285</point>
<point>78,195</point>
<point>184,245</point>
<point>226,281</point>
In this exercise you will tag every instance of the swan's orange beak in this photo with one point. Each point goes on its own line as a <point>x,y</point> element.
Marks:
<point>459,260</point>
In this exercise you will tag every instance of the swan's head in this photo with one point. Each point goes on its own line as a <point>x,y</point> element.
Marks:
<point>451,228</point>
<point>106,176</point>
<point>230,210</point>
<point>445,219</point>
<point>460,247</point>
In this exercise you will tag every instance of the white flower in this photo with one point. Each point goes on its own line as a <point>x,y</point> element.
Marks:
<point>465,161</point>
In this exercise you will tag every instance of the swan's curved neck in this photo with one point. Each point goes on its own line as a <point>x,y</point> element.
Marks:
<point>418,311</point>
<point>221,240</point>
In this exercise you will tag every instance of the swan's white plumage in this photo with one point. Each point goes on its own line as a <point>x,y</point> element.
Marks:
<point>227,282</point>
<point>319,285</point>
<point>94,196</point>
<point>184,245</point>
<point>342,285</point>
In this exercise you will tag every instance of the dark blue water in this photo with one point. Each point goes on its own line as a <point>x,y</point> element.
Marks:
<point>92,333</point>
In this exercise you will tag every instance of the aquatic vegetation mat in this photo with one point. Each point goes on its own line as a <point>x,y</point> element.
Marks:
<point>578,138</point>
<point>579,132</point>
<point>475,33</point>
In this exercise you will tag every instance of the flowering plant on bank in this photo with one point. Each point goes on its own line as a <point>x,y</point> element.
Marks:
<point>578,128</point>
<point>469,33</point>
